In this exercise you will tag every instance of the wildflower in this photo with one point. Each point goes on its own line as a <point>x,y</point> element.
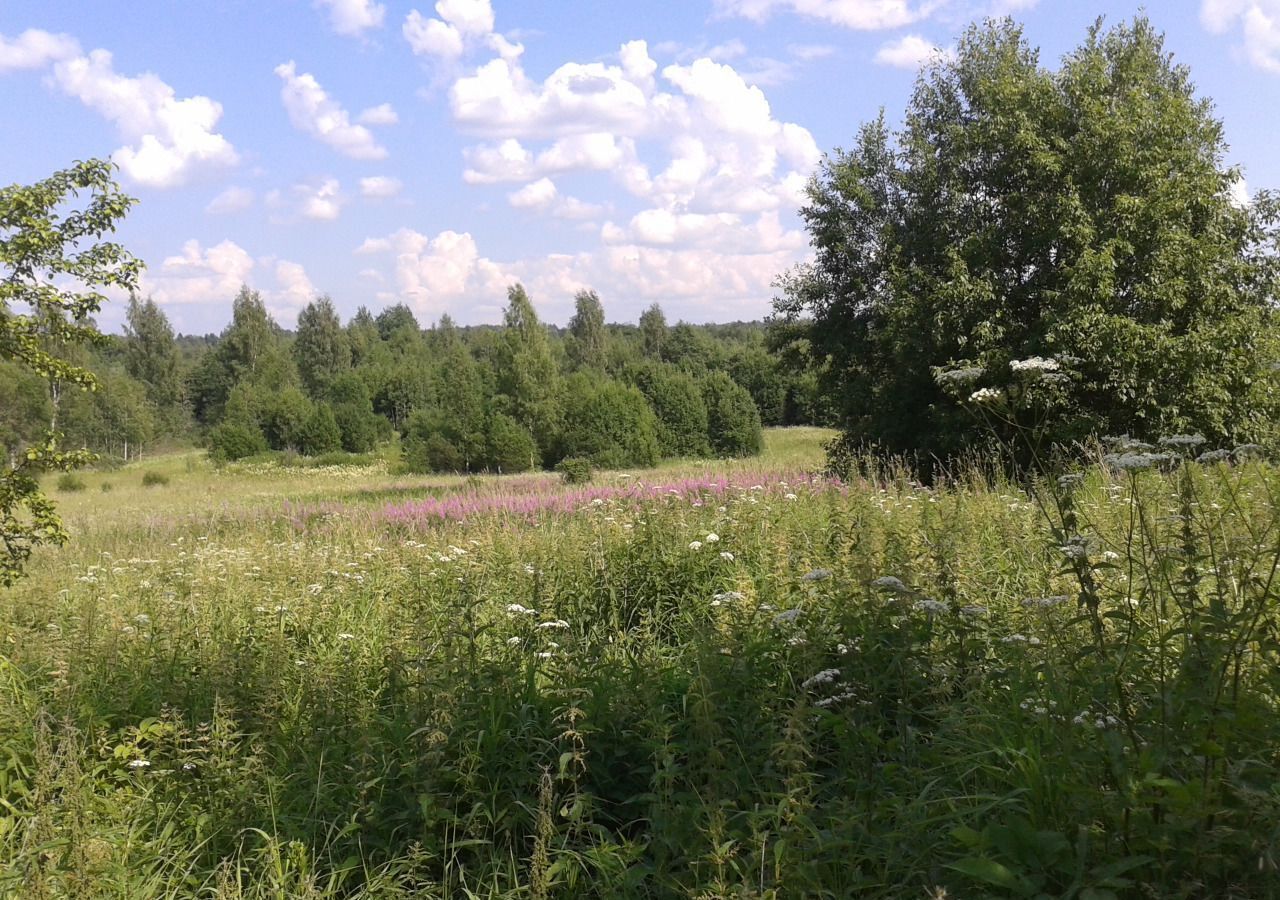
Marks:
<point>139,764</point>
<point>1075,548</point>
<point>1182,440</point>
<point>1132,461</point>
<point>545,654</point>
<point>789,496</point>
<point>729,595</point>
<point>986,395</point>
<point>963,375</point>
<point>695,545</point>
<point>1213,456</point>
<point>517,609</point>
<point>891,584</point>
<point>1066,482</point>
<point>826,676</point>
<point>1034,364</point>
<point>1044,602</point>
<point>712,538</point>
<point>557,623</point>
<point>787,617</point>
<point>1014,639</point>
<point>142,619</point>
<point>799,639</point>
<point>932,607</point>
<point>973,611</point>
<point>1246,450</point>
<point>514,642</point>
<point>529,570</point>
<point>346,636</point>
<point>726,556</point>
<point>816,575</point>
<point>841,697</point>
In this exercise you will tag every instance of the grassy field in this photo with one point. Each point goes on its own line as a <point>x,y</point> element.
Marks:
<point>706,680</point>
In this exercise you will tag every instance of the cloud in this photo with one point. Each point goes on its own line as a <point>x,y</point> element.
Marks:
<point>311,110</point>
<point>910,52</point>
<point>462,24</point>
<point>169,138</point>
<point>509,161</point>
<point>1239,193</point>
<point>432,273</point>
<point>862,15</point>
<point>380,186</point>
<point>212,276</point>
<point>1259,23</point>
<point>353,17</point>
<point>232,200</point>
<point>322,202</point>
<point>539,194</point>
<point>35,49</point>
<point>382,114</point>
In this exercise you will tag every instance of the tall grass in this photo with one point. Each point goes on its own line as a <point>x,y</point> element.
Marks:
<point>759,689</point>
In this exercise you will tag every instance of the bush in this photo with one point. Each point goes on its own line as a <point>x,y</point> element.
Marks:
<point>733,421</point>
<point>70,482</point>
<point>607,423</point>
<point>511,445</point>
<point>234,439</point>
<point>319,433</point>
<point>105,487</point>
<point>574,470</point>
<point>677,401</point>
<point>358,426</point>
<point>154,479</point>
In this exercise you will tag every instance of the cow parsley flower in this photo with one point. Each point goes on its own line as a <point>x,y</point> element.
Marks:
<point>727,596</point>
<point>826,676</point>
<point>891,584</point>
<point>986,395</point>
<point>712,538</point>
<point>960,376</point>
<point>1034,364</point>
<point>695,545</point>
<point>1186,441</point>
<point>557,623</point>
<point>139,764</point>
<point>517,609</point>
<point>816,575</point>
<point>1044,602</point>
<point>932,607</point>
<point>787,617</point>
<point>973,611</point>
<point>726,556</point>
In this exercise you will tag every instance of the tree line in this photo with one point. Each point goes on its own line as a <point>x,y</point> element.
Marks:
<point>509,398</point>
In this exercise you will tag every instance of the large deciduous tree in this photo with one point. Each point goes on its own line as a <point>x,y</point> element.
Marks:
<point>321,348</point>
<point>53,268</point>
<point>586,344</point>
<point>1082,216</point>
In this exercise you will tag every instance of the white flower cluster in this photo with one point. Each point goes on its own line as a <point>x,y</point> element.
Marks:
<point>1131,461</point>
<point>1034,364</point>
<point>826,676</point>
<point>964,375</point>
<point>890,584</point>
<point>816,575</point>
<point>788,617</point>
<point>1099,721</point>
<point>986,395</point>
<point>973,611</point>
<point>1185,441</point>
<point>517,609</point>
<point>932,607</point>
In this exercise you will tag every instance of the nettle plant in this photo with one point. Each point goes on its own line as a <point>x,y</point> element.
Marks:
<point>1170,686</point>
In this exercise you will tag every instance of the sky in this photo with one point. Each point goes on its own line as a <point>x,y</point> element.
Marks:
<point>383,152</point>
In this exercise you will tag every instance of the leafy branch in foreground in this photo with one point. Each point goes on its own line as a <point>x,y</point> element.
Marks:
<point>53,268</point>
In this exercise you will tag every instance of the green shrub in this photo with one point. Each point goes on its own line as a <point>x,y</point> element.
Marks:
<point>678,403</point>
<point>574,470</point>
<point>155,479</point>
<point>235,439</point>
<point>320,433</point>
<point>70,482</point>
<point>105,487</point>
<point>607,423</point>
<point>733,421</point>
<point>511,446</point>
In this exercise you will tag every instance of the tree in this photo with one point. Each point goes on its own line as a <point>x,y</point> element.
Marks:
<point>678,403</point>
<point>733,422</point>
<point>247,350</point>
<point>395,319</point>
<point>42,248</point>
<point>526,370</point>
<point>586,343</point>
<point>1081,217</point>
<point>608,423</point>
<point>653,331</point>
<point>321,347</point>
<point>151,357</point>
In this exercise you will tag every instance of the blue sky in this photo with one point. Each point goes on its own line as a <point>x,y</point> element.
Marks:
<point>381,151</point>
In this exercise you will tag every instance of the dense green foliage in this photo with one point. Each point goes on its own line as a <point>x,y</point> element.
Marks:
<point>1081,217</point>
<point>42,248</point>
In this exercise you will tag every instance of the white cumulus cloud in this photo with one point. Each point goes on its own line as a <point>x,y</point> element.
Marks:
<point>432,274</point>
<point>314,112</point>
<point>911,51</point>
<point>382,114</point>
<point>353,17</point>
<point>1259,24</point>
<point>380,186</point>
<point>35,49</point>
<point>461,24</point>
<point>322,201</point>
<point>168,137</point>
<point>863,15</point>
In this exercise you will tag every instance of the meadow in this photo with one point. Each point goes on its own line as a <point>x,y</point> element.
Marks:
<point>738,679</point>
